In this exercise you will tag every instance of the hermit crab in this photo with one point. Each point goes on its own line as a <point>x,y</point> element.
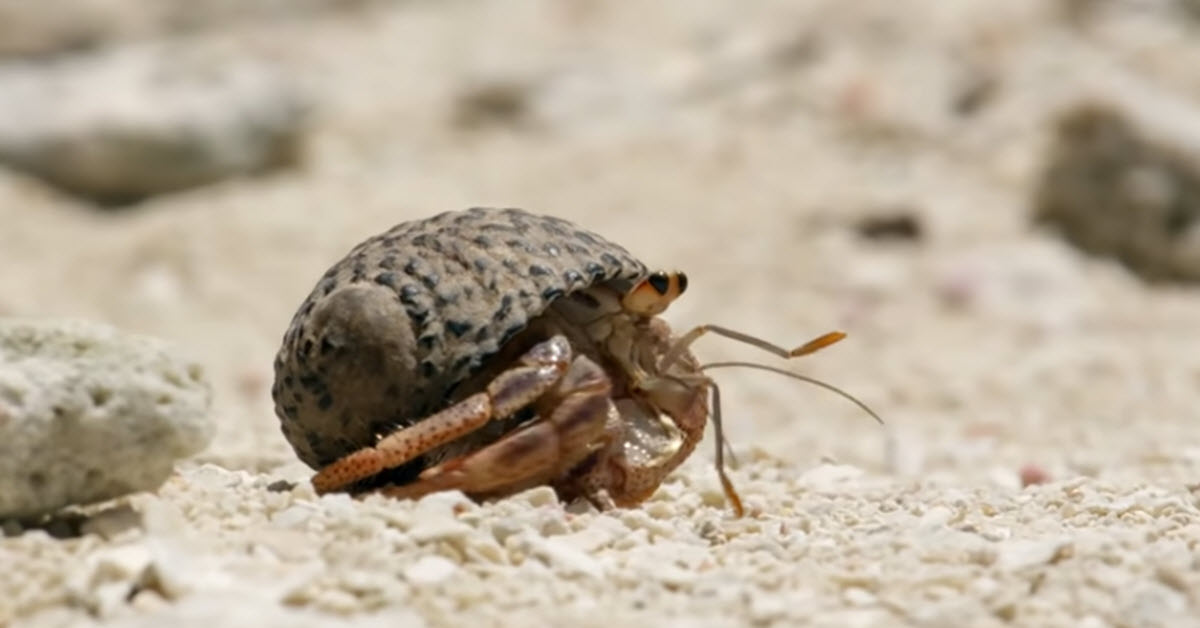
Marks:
<point>493,350</point>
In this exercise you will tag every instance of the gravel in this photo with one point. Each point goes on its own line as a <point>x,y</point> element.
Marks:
<point>857,550</point>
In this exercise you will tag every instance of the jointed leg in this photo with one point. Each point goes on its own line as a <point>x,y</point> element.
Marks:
<point>571,424</point>
<point>626,480</point>
<point>538,371</point>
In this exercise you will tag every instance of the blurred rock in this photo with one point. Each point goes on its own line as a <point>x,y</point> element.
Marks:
<point>88,413</point>
<point>1116,186</point>
<point>897,224</point>
<point>30,28</point>
<point>494,103</point>
<point>54,26</point>
<point>121,126</point>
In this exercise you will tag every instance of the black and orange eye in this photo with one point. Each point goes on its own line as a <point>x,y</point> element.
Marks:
<point>653,294</point>
<point>660,281</point>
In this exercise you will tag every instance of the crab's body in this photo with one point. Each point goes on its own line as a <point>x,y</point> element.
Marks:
<point>488,350</point>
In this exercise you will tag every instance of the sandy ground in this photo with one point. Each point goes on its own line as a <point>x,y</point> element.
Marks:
<point>740,142</point>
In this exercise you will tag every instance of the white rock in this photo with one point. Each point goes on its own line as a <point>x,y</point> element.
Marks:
<point>592,538</point>
<point>441,529</point>
<point>1005,478</point>
<point>829,477</point>
<point>766,607</point>
<point>212,478</point>
<point>442,505</point>
<point>88,413</point>
<point>178,569</point>
<point>112,522</point>
<point>294,516</point>
<point>937,517</point>
<point>430,570</point>
<point>858,596</point>
<point>538,496</point>
<point>1019,554</point>
<point>163,518</point>
<point>562,557</point>
<point>105,578</point>
<point>120,126</point>
<point>120,563</point>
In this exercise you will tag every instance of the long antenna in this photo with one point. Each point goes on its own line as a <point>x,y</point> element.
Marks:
<point>803,378</point>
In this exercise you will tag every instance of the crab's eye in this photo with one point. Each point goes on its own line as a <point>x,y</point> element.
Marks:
<point>653,294</point>
<point>660,281</point>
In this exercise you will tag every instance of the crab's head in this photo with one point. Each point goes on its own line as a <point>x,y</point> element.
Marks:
<point>677,391</point>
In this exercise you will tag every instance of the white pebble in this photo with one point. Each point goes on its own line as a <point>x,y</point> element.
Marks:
<point>122,563</point>
<point>936,517</point>
<point>430,570</point>
<point>1020,554</point>
<point>559,556</point>
<point>440,529</point>
<point>827,478</point>
<point>295,516</point>
<point>112,522</point>
<point>858,596</point>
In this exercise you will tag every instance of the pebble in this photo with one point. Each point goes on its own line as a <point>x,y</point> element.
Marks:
<point>440,529</point>
<point>562,557</point>
<point>39,29</point>
<point>857,596</point>
<point>430,570</point>
<point>828,477</point>
<point>1020,554</point>
<point>766,608</point>
<point>89,413</point>
<point>1123,181</point>
<point>176,570</point>
<point>590,539</point>
<point>123,125</point>
<point>112,522</point>
<point>294,516</point>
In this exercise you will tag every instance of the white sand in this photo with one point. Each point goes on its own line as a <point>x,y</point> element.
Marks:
<point>740,145</point>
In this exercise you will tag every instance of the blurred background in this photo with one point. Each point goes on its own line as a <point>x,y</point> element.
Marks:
<point>998,201</point>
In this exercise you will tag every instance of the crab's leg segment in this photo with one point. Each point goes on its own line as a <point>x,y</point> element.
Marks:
<point>684,341</point>
<point>576,415</point>
<point>731,493</point>
<point>538,371</point>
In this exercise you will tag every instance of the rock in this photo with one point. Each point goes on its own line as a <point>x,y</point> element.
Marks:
<point>1122,186</point>
<point>1019,554</point>
<point>495,103</point>
<point>829,478</point>
<point>563,558</point>
<point>897,224</point>
<point>47,27</point>
<point>88,413</point>
<point>430,570</point>
<point>121,126</point>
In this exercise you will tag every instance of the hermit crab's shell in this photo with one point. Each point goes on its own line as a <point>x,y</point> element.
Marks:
<point>392,329</point>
